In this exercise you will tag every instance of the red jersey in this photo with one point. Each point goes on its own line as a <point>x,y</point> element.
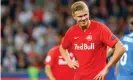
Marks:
<point>60,69</point>
<point>89,47</point>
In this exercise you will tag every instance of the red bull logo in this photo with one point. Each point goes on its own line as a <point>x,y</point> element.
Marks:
<point>84,46</point>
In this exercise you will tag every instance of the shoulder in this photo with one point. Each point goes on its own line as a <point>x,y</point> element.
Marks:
<point>52,54</point>
<point>53,50</point>
<point>96,22</point>
<point>72,29</point>
<point>98,25</point>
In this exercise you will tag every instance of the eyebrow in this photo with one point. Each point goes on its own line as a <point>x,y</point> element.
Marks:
<point>82,15</point>
<point>79,16</point>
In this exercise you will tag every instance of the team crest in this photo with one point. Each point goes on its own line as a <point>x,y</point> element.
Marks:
<point>89,37</point>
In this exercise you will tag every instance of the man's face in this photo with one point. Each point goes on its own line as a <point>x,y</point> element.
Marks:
<point>131,26</point>
<point>82,18</point>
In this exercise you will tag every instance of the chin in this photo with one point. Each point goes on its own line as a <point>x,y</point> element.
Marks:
<point>84,26</point>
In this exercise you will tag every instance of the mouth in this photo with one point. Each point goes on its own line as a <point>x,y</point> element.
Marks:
<point>83,22</point>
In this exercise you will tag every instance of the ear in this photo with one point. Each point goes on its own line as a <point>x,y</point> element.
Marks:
<point>74,16</point>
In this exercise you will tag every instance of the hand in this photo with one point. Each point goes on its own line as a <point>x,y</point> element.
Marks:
<point>73,64</point>
<point>101,75</point>
<point>52,78</point>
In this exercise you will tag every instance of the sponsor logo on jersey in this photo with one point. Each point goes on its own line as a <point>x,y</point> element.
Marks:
<point>76,37</point>
<point>128,39</point>
<point>48,59</point>
<point>89,37</point>
<point>113,37</point>
<point>61,61</point>
<point>84,46</point>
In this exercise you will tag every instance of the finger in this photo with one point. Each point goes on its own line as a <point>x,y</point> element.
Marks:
<point>73,59</point>
<point>69,65</point>
<point>76,64</point>
<point>99,78</point>
<point>96,77</point>
<point>102,77</point>
<point>74,67</point>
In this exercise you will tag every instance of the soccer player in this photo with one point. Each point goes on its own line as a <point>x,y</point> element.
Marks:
<point>56,67</point>
<point>89,40</point>
<point>125,65</point>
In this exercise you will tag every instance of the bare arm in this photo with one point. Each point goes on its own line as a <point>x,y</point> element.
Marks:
<point>110,52</point>
<point>116,68</point>
<point>48,72</point>
<point>71,63</point>
<point>118,52</point>
<point>64,54</point>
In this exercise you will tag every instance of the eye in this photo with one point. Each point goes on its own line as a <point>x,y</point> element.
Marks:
<point>79,16</point>
<point>85,15</point>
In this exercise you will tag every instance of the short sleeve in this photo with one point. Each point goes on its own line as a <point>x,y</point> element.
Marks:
<point>66,43</point>
<point>107,37</point>
<point>50,58</point>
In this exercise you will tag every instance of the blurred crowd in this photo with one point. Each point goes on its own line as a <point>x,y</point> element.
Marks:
<point>29,28</point>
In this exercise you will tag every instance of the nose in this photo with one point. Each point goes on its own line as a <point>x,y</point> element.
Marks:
<point>83,18</point>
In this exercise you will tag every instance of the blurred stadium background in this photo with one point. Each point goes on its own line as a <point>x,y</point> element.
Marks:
<point>29,28</point>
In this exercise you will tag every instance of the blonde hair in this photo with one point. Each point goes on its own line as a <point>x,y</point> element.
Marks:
<point>79,6</point>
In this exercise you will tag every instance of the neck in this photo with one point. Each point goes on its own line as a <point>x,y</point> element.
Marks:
<point>84,28</point>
